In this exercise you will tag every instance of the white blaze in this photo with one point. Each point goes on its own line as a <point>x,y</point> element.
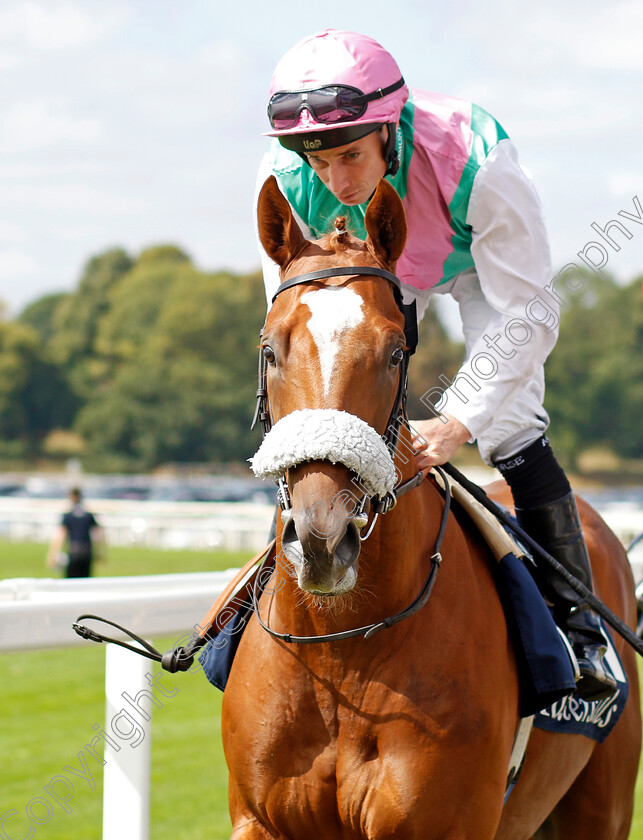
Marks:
<point>333,310</point>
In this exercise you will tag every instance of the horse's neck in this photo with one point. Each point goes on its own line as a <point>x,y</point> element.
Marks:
<point>404,538</point>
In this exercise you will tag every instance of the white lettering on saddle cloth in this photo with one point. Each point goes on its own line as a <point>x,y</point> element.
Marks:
<point>571,714</point>
<point>599,713</point>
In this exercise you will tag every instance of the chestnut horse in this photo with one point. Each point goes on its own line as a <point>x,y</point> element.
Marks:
<point>406,734</point>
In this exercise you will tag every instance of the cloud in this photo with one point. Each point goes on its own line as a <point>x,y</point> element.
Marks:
<point>12,233</point>
<point>59,26</point>
<point>15,265</point>
<point>133,122</point>
<point>46,170</point>
<point>8,61</point>
<point>208,85</point>
<point>79,233</point>
<point>78,200</point>
<point>609,38</point>
<point>622,183</point>
<point>35,125</point>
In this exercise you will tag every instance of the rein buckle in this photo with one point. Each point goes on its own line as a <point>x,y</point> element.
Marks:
<point>385,504</point>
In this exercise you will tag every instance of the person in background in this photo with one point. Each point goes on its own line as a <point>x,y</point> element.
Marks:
<point>81,534</point>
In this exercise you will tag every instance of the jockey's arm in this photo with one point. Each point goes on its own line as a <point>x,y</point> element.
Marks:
<point>513,266</point>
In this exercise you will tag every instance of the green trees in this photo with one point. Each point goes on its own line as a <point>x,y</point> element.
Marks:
<point>77,319</point>
<point>151,360</point>
<point>41,315</point>
<point>595,374</point>
<point>177,363</point>
<point>34,397</point>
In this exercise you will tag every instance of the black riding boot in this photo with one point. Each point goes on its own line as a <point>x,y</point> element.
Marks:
<point>557,528</point>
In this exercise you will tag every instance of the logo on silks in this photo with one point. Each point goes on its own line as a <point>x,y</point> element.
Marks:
<point>594,719</point>
<point>312,145</point>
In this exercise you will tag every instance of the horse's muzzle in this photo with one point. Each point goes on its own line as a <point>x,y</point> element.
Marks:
<point>323,550</point>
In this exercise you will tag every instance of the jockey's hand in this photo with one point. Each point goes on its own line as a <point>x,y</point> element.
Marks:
<point>436,442</point>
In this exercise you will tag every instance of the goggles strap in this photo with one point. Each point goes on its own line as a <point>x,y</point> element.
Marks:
<point>380,93</point>
<point>390,150</point>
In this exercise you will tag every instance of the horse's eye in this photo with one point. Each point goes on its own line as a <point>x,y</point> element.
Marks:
<point>268,354</point>
<point>396,357</point>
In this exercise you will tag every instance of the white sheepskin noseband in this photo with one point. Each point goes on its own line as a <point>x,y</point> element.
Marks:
<point>325,434</point>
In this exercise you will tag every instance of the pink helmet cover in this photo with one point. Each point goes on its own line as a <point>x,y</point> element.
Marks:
<point>336,56</point>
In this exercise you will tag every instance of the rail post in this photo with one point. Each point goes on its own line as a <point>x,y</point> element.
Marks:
<point>128,738</point>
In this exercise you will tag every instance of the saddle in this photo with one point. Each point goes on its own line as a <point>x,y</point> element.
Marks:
<point>523,605</point>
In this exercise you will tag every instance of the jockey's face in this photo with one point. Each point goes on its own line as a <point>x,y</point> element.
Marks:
<point>352,172</point>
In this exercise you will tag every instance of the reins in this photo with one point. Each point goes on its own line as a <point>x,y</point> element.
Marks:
<point>369,630</point>
<point>586,594</point>
<point>177,659</point>
<point>181,658</point>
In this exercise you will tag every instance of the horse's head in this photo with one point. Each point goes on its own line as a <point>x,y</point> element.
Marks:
<point>333,349</point>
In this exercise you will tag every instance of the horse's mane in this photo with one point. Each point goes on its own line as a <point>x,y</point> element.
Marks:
<point>338,239</point>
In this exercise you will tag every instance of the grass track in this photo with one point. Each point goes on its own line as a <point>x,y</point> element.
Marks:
<point>49,701</point>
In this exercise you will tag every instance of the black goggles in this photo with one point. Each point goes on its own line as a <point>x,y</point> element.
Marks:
<point>329,104</point>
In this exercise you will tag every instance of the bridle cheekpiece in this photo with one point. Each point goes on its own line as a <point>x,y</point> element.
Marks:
<point>397,417</point>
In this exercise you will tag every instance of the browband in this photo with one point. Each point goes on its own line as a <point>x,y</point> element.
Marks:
<point>409,310</point>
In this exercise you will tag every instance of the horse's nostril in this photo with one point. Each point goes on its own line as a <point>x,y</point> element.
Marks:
<point>290,542</point>
<point>348,547</point>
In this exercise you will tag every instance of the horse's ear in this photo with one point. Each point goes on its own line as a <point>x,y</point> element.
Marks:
<point>278,231</point>
<point>385,222</point>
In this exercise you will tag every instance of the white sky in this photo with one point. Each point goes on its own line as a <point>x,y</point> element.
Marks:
<point>134,122</point>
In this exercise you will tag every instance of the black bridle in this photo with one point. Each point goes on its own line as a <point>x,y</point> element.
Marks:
<point>397,418</point>
<point>180,658</point>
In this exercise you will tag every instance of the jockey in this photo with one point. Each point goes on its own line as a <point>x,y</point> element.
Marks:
<point>342,117</point>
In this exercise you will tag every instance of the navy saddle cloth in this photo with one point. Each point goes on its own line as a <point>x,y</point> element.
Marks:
<point>596,720</point>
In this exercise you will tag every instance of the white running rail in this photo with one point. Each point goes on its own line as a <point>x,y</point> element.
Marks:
<point>38,614</point>
<point>234,526</point>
